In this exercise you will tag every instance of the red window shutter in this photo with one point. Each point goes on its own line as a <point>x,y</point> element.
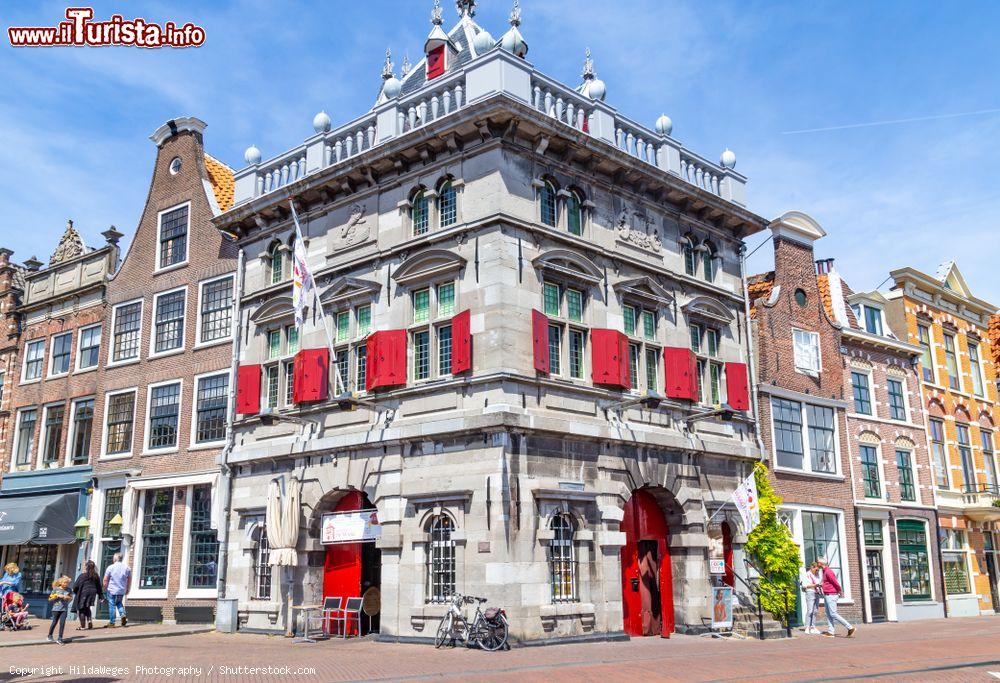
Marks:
<point>461,342</point>
<point>311,381</point>
<point>435,62</point>
<point>609,358</point>
<point>248,389</point>
<point>540,340</point>
<point>386,359</point>
<point>680,368</point>
<point>737,386</point>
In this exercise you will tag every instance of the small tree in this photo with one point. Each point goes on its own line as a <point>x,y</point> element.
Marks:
<point>773,551</point>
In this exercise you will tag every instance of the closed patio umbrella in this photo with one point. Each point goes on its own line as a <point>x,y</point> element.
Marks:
<point>282,522</point>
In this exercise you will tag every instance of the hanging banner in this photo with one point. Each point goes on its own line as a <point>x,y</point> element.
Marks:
<point>722,607</point>
<point>360,526</point>
<point>716,550</point>
<point>745,498</point>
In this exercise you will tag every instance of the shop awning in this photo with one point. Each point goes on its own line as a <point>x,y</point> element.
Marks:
<point>43,520</point>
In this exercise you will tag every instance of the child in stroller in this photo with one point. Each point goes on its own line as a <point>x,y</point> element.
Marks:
<point>14,612</point>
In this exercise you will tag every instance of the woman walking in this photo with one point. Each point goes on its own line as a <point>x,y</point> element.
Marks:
<point>59,597</point>
<point>812,587</point>
<point>87,590</point>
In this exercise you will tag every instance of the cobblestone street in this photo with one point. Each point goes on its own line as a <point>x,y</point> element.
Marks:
<point>940,650</point>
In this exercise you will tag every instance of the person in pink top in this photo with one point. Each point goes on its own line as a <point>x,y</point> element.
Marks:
<point>831,592</point>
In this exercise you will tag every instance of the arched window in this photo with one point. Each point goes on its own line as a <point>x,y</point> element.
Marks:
<point>708,258</point>
<point>440,559</point>
<point>261,587</point>
<point>547,203</point>
<point>446,204</point>
<point>418,212</point>
<point>574,214</point>
<point>690,264</point>
<point>562,559</point>
<point>275,264</point>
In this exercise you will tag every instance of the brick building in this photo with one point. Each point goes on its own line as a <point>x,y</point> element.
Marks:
<point>11,290</point>
<point>804,406</point>
<point>958,383</point>
<point>47,469</point>
<point>508,267</point>
<point>162,419</point>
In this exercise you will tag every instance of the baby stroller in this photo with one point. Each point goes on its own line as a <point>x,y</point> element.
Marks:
<point>14,612</point>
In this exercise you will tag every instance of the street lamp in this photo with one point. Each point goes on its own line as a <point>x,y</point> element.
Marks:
<point>114,526</point>
<point>82,528</point>
<point>725,412</point>
<point>651,400</point>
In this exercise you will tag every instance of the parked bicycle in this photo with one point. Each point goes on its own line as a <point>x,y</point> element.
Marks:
<point>487,629</point>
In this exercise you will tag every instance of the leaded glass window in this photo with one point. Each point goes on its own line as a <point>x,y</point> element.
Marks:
<point>787,417</point>
<point>576,345</point>
<point>156,521</point>
<point>446,300</point>
<point>555,347</point>
<point>121,413</point>
<point>444,350</point>
<point>869,470</point>
<point>547,203</point>
<point>210,409</point>
<point>173,236</point>
<point>83,426</point>
<point>447,205</point>
<point>261,589</point>
<point>440,559</point>
<point>419,213</point>
<point>216,309</point>
<point>164,410</point>
<point>562,559</point>
<point>169,325</point>
<point>421,355</point>
<point>203,544</point>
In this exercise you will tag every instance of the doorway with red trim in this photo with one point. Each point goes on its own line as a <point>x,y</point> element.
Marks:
<point>647,584</point>
<point>351,569</point>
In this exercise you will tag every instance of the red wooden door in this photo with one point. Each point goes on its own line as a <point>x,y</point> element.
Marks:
<point>727,552</point>
<point>647,585</point>
<point>342,569</point>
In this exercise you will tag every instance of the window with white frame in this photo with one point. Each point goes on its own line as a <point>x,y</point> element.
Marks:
<point>574,213</point>
<point>951,362</point>
<point>210,409</point>
<point>547,204</point>
<point>53,434</point>
<point>821,540</point>
<point>59,356</point>
<point>565,307</point>
<point>125,331</point>
<point>926,355</point>
<point>989,459</point>
<point>904,465</point>
<point>279,369</point>
<point>440,558</point>
<point>351,329</point>
<point>34,357</point>
<point>24,449</point>
<point>955,561</point>
<point>975,369</point>
<point>260,589</point>
<point>447,203</point>
<point>641,326</point>
<point>870,317</point>
<point>82,431</point>
<point>897,399</point>
<point>965,456</point>
<point>800,428</point>
<point>430,334</point>
<point>157,518</point>
<point>216,310</point>
<point>938,453</point>
<point>278,266</point>
<point>862,392</point>
<point>420,215</point>
<point>120,422</point>
<point>806,345</point>
<point>870,471</point>
<point>88,354</point>
<point>164,415</point>
<point>173,237</point>
<point>562,559</point>
<point>168,321</point>
<point>705,344</point>
<point>203,542</point>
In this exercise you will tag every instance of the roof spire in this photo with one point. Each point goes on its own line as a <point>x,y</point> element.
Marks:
<point>387,71</point>
<point>406,64</point>
<point>466,8</point>
<point>588,67</point>
<point>436,13</point>
<point>515,14</point>
<point>70,245</point>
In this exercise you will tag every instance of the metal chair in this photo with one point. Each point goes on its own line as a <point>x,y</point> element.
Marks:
<point>350,612</point>
<point>331,607</point>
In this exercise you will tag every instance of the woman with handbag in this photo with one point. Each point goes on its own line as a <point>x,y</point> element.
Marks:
<point>87,590</point>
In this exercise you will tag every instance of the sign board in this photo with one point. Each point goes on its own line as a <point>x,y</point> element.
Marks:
<point>359,526</point>
<point>722,607</point>
<point>716,550</point>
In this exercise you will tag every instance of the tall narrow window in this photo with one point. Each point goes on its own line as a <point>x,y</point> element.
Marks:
<point>954,560</point>
<point>551,299</point>
<point>951,361</point>
<point>446,300</point>
<point>261,589</point>
<point>421,355</point>
<point>125,342</point>
<point>821,540</point>
<point>914,561</point>
<point>897,400</point>
<point>419,213</point>
<point>173,236</point>
<point>363,314</point>
<point>787,417</point>
<point>169,324</point>
<point>975,369</point>
<point>869,466</point>
<point>821,437</point>
<point>112,543</point>
<point>555,347</point>
<point>27,418</point>
<point>34,355</point>
<point>989,460</point>
<point>203,544</point>
<point>938,454</point>
<point>444,350</point>
<point>156,522</point>
<point>708,264</point>
<point>447,204</point>
<point>343,321</point>
<point>633,365</point>
<point>89,353</point>
<point>649,325</point>
<point>715,382</point>
<point>421,305</point>
<point>690,264</point>
<point>62,346</point>
<point>547,203</point>
<point>574,305</point>
<point>576,343</point>
<point>121,411</point>
<point>630,314</point>
<point>862,394</point>
<point>965,453</point>
<point>83,427</point>
<point>574,214</point>
<point>361,365</point>
<point>164,409</point>
<point>904,464</point>
<point>440,559</point>
<point>562,559</point>
<point>53,433</point>
<point>806,351</point>
<point>216,310</point>
<point>277,264</point>
<point>652,369</point>
<point>926,357</point>
<point>272,380</point>
<point>210,408</point>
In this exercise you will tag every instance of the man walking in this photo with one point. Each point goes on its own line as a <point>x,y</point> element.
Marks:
<point>831,592</point>
<point>117,582</point>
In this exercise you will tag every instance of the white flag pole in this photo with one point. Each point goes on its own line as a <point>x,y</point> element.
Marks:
<point>339,387</point>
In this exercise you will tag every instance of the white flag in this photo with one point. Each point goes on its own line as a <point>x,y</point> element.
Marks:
<point>745,498</point>
<point>303,285</point>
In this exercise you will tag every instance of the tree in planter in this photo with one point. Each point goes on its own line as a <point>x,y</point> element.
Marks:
<point>772,549</point>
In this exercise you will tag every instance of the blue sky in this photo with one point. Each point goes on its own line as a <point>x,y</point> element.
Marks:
<point>746,75</point>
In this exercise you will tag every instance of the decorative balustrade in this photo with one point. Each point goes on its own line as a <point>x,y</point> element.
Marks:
<point>561,103</point>
<point>700,172</point>
<point>285,169</point>
<point>430,105</point>
<point>633,139</point>
<point>350,140</point>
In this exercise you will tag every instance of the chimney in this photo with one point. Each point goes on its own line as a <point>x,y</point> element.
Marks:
<point>824,266</point>
<point>794,234</point>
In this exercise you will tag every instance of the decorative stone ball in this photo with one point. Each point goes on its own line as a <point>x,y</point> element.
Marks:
<point>321,122</point>
<point>597,89</point>
<point>664,126</point>
<point>252,155</point>
<point>728,159</point>
<point>483,42</point>
<point>392,87</point>
<point>513,42</point>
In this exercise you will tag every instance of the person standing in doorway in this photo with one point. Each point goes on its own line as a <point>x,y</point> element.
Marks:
<point>117,582</point>
<point>59,597</point>
<point>811,581</point>
<point>831,592</point>
<point>87,590</point>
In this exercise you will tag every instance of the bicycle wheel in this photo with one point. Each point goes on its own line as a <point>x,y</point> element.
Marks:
<point>493,636</point>
<point>443,632</point>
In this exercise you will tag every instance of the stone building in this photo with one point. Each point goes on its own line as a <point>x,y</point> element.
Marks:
<point>892,480</point>
<point>804,405</point>
<point>11,291</point>
<point>161,418</point>
<point>958,384</point>
<point>47,469</point>
<point>528,296</point>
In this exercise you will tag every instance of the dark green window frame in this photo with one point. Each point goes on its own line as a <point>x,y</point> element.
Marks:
<point>914,560</point>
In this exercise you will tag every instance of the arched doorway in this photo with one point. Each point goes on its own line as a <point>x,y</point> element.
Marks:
<point>647,585</point>
<point>351,569</point>
<point>727,551</point>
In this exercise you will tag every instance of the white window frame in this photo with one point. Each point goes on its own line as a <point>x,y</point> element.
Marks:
<point>138,593</point>
<point>152,323</point>
<point>973,369</point>
<point>111,333</point>
<point>806,451</point>
<point>930,346</point>
<point>193,444</point>
<point>880,464</point>
<point>43,437</point>
<point>845,569</point>
<point>3,386</point>
<point>872,399</point>
<point>907,416</point>
<point>182,590</point>
<point>958,361</point>
<point>79,348</point>
<point>16,437</point>
<point>146,450</point>
<point>944,452</point>
<point>891,584</point>
<point>966,551</point>
<point>435,321</point>
<point>24,362</point>
<point>819,355</point>
<point>104,426</point>
<point>187,242</point>
<point>71,430</point>
<point>861,313</point>
<point>52,348</point>
<point>198,343</point>
<point>912,450</point>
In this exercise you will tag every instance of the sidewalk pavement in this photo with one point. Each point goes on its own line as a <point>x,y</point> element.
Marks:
<point>40,628</point>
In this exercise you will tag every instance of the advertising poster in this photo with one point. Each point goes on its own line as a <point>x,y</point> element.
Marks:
<point>722,607</point>
<point>351,527</point>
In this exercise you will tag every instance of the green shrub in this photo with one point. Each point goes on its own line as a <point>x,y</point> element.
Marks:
<point>772,549</point>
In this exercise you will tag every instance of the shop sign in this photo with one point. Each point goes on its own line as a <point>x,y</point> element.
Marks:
<point>360,526</point>
<point>716,550</point>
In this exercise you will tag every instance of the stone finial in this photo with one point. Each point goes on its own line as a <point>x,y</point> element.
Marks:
<point>588,66</point>
<point>406,64</point>
<point>436,13</point>
<point>70,245</point>
<point>112,235</point>
<point>387,71</point>
<point>33,264</point>
<point>466,7</point>
<point>515,14</point>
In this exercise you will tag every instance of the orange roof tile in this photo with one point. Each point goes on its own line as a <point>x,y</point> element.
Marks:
<point>994,337</point>
<point>823,282</point>
<point>221,177</point>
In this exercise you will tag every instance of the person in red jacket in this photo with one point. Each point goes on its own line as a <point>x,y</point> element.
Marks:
<point>831,592</point>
